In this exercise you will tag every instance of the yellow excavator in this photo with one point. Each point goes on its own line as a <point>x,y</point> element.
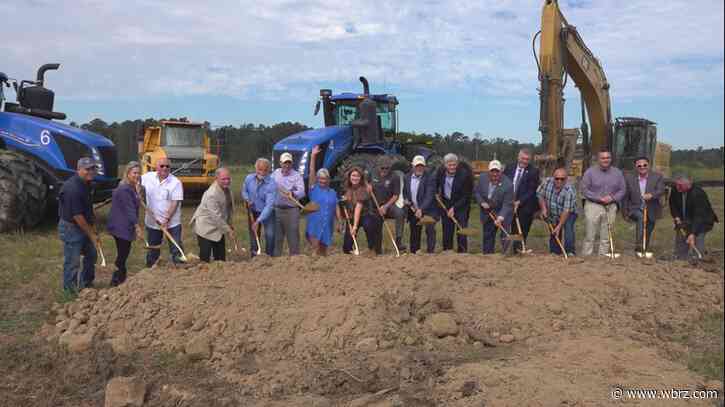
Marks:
<point>563,54</point>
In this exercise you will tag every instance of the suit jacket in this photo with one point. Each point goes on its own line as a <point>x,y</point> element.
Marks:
<point>212,216</point>
<point>526,191</point>
<point>699,216</point>
<point>632,200</point>
<point>124,212</point>
<point>460,192</point>
<point>426,192</point>
<point>502,199</point>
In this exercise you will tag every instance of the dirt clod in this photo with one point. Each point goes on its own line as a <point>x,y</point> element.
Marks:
<point>125,392</point>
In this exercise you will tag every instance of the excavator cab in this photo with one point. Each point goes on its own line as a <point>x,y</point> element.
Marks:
<point>635,137</point>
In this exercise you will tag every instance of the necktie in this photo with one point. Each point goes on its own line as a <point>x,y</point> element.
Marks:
<point>516,178</point>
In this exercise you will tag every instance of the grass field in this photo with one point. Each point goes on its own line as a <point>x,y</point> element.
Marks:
<point>31,269</point>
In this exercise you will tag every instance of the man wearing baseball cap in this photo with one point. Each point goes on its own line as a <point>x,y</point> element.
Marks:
<point>495,194</point>
<point>76,227</point>
<point>286,213</point>
<point>386,187</point>
<point>419,190</point>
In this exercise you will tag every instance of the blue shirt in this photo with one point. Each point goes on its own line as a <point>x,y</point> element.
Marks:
<point>260,194</point>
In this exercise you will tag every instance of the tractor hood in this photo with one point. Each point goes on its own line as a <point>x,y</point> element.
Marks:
<point>20,124</point>
<point>307,139</point>
<point>184,153</point>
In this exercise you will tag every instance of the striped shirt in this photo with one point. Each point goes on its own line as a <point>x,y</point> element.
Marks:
<point>557,201</point>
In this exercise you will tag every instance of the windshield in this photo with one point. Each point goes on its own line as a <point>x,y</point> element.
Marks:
<point>632,142</point>
<point>183,136</point>
<point>345,114</point>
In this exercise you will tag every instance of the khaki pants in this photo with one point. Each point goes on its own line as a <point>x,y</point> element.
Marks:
<point>595,219</point>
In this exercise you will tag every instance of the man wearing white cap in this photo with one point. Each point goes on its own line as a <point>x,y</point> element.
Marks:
<point>286,213</point>
<point>419,190</point>
<point>495,194</point>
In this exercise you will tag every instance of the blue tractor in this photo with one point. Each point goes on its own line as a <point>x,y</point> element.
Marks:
<point>359,128</point>
<point>38,154</point>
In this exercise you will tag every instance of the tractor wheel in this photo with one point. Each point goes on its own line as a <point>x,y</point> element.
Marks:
<point>22,192</point>
<point>366,162</point>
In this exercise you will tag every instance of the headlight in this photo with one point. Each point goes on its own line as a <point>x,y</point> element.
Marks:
<point>97,158</point>
<point>303,163</point>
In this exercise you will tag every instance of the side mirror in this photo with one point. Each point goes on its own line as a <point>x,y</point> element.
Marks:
<point>317,108</point>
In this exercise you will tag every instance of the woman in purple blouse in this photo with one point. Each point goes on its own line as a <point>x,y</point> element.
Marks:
<point>123,222</point>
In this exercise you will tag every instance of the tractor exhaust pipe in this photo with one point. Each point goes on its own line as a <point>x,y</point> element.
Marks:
<point>41,72</point>
<point>366,86</point>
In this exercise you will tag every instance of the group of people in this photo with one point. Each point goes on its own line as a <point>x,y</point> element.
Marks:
<point>510,198</point>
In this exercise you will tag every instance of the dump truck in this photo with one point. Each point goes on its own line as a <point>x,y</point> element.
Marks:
<point>187,146</point>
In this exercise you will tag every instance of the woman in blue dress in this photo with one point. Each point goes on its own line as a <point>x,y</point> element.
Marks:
<point>321,224</point>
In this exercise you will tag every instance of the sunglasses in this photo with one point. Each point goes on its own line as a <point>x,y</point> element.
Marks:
<point>559,179</point>
<point>642,166</point>
<point>384,168</point>
<point>164,166</point>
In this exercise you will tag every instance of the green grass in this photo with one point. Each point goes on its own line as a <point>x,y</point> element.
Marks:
<point>707,357</point>
<point>699,173</point>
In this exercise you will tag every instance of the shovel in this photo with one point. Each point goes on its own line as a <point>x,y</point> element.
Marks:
<point>356,249</point>
<point>426,220</point>
<point>556,237</point>
<point>309,208</point>
<point>461,230</point>
<point>524,250</point>
<point>612,255</point>
<point>250,218</point>
<point>166,233</point>
<point>644,253</point>
<point>387,228</point>
<point>692,246</point>
<point>100,252</point>
<point>510,237</point>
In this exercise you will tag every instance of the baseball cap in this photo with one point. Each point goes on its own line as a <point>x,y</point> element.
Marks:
<point>418,160</point>
<point>285,157</point>
<point>495,165</point>
<point>86,163</point>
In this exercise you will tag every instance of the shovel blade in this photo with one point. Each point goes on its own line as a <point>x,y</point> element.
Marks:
<point>427,220</point>
<point>467,232</point>
<point>311,207</point>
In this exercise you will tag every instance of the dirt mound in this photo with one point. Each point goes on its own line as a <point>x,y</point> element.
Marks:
<point>453,330</point>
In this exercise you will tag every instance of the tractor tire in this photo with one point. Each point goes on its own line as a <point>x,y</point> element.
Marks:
<point>22,193</point>
<point>368,163</point>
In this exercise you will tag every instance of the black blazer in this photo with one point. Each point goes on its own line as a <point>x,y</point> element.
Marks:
<point>526,191</point>
<point>699,216</point>
<point>462,189</point>
<point>426,192</point>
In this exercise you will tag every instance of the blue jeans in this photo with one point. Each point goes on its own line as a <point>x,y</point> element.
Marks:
<point>569,238</point>
<point>268,230</point>
<point>75,244</point>
<point>637,216</point>
<point>155,237</point>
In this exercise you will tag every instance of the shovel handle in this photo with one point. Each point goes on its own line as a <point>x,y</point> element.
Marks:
<point>495,222</point>
<point>356,249</point>
<point>443,206</point>
<point>387,228</point>
<point>556,237</point>
<point>287,194</point>
<point>250,217</point>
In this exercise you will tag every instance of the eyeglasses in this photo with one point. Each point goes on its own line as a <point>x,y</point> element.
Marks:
<point>164,166</point>
<point>559,179</point>
<point>384,168</point>
<point>642,166</point>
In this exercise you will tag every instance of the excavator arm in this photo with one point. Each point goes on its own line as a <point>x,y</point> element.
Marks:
<point>563,52</point>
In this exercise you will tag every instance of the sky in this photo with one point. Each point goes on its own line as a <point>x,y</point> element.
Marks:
<point>454,65</point>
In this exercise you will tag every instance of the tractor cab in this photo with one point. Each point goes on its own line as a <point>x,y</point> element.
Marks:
<point>634,137</point>
<point>345,109</point>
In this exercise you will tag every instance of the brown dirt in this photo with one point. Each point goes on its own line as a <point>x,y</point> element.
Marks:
<point>336,330</point>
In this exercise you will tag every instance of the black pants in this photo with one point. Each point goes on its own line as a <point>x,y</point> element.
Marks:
<point>449,229</point>
<point>208,248</point>
<point>373,226</point>
<point>416,231</point>
<point>526,219</point>
<point>123,249</point>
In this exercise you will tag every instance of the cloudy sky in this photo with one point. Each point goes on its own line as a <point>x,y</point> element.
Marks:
<point>454,65</point>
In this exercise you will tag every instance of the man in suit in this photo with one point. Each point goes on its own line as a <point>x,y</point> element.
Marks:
<point>693,216</point>
<point>455,186</point>
<point>495,194</point>
<point>419,190</point>
<point>644,188</point>
<point>525,179</point>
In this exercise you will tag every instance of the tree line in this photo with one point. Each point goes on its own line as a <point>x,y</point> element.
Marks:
<point>242,144</point>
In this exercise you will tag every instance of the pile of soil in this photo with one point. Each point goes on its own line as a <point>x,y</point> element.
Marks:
<point>439,330</point>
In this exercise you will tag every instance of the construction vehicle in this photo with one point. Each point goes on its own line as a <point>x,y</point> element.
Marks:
<point>358,129</point>
<point>188,148</point>
<point>38,154</point>
<point>562,54</point>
